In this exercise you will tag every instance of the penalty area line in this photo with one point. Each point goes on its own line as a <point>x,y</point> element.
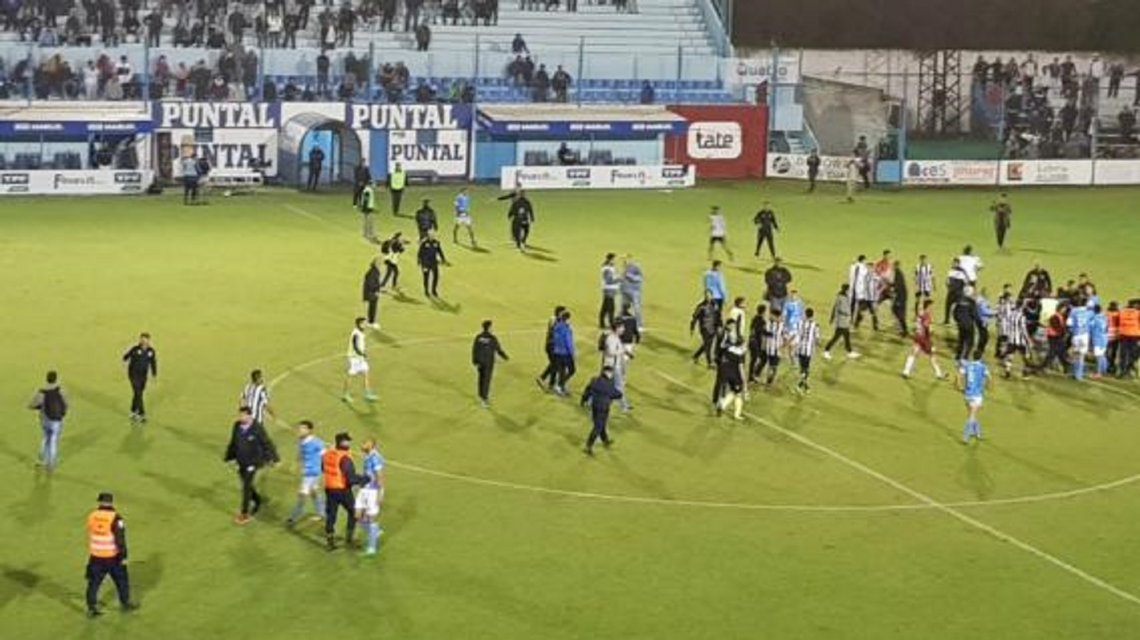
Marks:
<point>931,502</point>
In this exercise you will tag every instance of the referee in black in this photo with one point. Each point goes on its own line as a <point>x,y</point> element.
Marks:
<point>766,226</point>
<point>429,256</point>
<point>142,363</point>
<point>483,353</point>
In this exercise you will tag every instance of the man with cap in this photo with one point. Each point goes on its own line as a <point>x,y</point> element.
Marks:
<point>484,351</point>
<point>107,551</point>
<point>600,394</point>
<point>340,476</point>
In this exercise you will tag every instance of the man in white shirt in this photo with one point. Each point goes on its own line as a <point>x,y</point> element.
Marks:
<point>866,289</point>
<point>358,362</point>
<point>616,355</point>
<point>970,264</point>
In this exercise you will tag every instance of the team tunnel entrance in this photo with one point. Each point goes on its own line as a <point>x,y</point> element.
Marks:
<point>301,134</point>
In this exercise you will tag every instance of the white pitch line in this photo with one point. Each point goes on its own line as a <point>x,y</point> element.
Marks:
<point>932,503</point>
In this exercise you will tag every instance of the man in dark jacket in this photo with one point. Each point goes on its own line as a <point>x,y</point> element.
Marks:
<point>521,215</point>
<point>107,555</point>
<point>776,279</point>
<point>600,394</point>
<point>316,161</point>
<point>371,291</point>
<point>142,363</point>
<point>361,178</point>
<point>484,351</point>
<point>426,221</point>
<point>549,376</point>
<point>51,402</point>
<point>251,448</point>
<point>429,257</point>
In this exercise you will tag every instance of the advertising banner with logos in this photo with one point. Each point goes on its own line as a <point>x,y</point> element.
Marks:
<point>728,141</point>
<point>1109,172</point>
<point>74,183</point>
<point>951,172</point>
<point>793,166</point>
<point>1046,172</point>
<point>599,177</point>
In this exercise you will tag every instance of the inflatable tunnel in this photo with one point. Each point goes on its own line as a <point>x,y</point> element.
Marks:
<point>301,133</point>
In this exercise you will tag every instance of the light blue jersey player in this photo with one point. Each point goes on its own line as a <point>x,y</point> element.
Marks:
<point>1098,336</point>
<point>371,496</point>
<point>309,450</point>
<point>793,313</point>
<point>1080,321</point>
<point>974,378</point>
<point>463,218</point>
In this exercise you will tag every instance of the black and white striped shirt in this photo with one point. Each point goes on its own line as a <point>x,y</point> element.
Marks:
<point>773,336</point>
<point>807,339</point>
<point>1013,327</point>
<point>924,279</point>
<point>1006,307</point>
<point>256,397</point>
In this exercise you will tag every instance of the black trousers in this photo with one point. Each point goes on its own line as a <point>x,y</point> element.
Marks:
<point>840,333</point>
<point>314,177</point>
<point>373,307</point>
<point>138,386</point>
<point>189,190</point>
<point>249,494</point>
<point>397,198</point>
<point>805,368</point>
<point>549,375</point>
<point>606,312</point>
<point>100,568</point>
<point>761,237</point>
<point>519,234</point>
<point>431,280</point>
<point>866,305</point>
<point>485,372</point>
<point>953,295</point>
<point>1113,355</point>
<point>965,342</point>
<point>600,417</point>
<point>899,311</point>
<point>811,181</point>
<point>999,230</point>
<point>566,370</point>
<point>390,270</point>
<point>357,191</point>
<point>983,340</point>
<point>706,348</point>
<point>339,499</point>
<point>1057,353</point>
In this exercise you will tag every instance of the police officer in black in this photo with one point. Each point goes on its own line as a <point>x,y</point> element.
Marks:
<point>142,363</point>
<point>1003,215</point>
<point>965,316</point>
<point>766,226</point>
<point>483,353</point>
<point>426,221</point>
<point>316,162</point>
<point>599,395</point>
<point>107,555</point>
<point>812,169</point>
<point>251,448</point>
<point>521,215</point>
<point>429,256</point>
<point>707,318</point>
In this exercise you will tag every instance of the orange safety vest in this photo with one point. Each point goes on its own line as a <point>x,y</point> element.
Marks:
<point>101,535</point>
<point>1130,323</point>
<point>1113,325</point>
<point>330,465</point>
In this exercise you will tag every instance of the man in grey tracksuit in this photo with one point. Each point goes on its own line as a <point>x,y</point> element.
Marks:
<point>841,322</point>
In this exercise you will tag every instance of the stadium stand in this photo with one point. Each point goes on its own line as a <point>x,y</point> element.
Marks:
<point>426,51</point>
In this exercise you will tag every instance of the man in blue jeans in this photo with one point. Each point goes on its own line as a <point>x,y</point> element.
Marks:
<point>51,402</point>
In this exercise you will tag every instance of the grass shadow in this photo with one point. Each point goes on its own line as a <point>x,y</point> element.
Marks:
<point>539,257</point>
<point>442,305</point>
<point>24,581</point>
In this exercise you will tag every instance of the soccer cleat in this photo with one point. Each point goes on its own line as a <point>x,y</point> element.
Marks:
<point>608,443</point>
<point>588,451</point>
<point>128,607</point>
<point>369,553</point>
<point>374,326</point>
<point>371,397</point>
<point>827,355</point>
<point>346,398</point>
<point>242,519</point>
<point>854,355</point>
<point>94,613</point>
<point>541,384</point>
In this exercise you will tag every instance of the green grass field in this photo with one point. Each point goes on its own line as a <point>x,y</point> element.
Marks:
<point>851,513</point>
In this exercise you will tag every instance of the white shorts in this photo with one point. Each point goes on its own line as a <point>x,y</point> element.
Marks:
<point>368,501</point>
<point>357,366</point>
<point>974,402</point>
<point>463,220</point>
<point>1099,351</point>
<point>1081,344</point>
<point>310,485</point>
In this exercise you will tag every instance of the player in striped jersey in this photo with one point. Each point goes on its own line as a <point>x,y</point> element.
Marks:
<point>773,339</point>
<point>1014,339</point>
<point>923,283</point>
<point>807,338</point>
<point>1006,306</point>
<point>256,397</point>
<point>923,342</point>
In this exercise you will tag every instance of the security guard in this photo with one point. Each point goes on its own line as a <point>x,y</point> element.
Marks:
<point>483,353</point>
<point>340,476</point>
<point>397,180</point>
<point>107,548</point>
<point>599,395</point>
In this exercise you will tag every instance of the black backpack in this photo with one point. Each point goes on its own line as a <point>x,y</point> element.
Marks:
<point>53,406</point>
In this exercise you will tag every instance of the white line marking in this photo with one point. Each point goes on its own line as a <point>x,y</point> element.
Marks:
<point>742,506</point>
<point>932,503</point>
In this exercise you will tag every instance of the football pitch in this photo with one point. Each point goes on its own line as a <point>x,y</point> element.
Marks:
<point>853,512</point>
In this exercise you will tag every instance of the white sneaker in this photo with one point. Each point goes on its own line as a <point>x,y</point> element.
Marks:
<point>826,355</point>
<point>374,326</point>
<point>854,355</point>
